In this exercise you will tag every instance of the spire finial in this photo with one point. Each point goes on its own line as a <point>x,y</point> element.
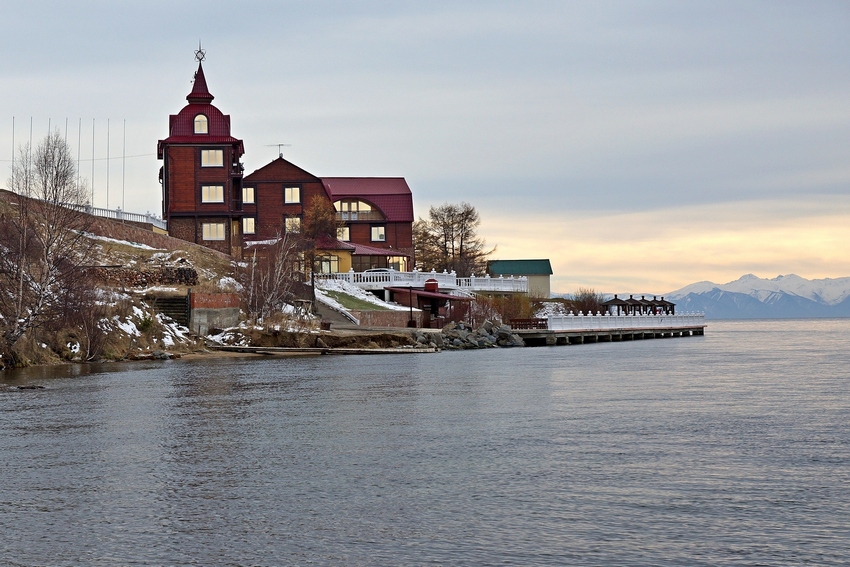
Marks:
<point>200,54</point>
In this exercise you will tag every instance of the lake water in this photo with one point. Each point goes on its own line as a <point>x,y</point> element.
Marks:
<point>727,449</point>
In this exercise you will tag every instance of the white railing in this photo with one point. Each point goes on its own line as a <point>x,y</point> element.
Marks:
<point>118,214</point>
<point>607,322</point>
<point>446,280</point>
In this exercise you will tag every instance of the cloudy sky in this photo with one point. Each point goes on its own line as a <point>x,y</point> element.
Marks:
<point>641,146</point>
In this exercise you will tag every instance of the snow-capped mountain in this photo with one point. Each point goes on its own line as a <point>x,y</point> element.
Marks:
<point>754,297</point>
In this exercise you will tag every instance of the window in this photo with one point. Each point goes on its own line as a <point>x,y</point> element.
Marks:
<point>343,233</point>
<point>201,124</point>
<point>292,194</point>
<point>249,225</point>
<point>213,230</point>
<point>212,158</point>
<point>397,263</point>
<point>378,234</point>
<point>355,209</point>
<point>293,224</point>
<point>328,264</point>
<point>212,193</point>
<point>248,195</point>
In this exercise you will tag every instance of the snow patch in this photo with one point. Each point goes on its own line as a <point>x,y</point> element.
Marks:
<point>129,327</point>
<point>323,286</point>
<point>116,241</point>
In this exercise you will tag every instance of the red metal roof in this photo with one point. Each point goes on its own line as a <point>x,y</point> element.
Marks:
<point>181,126</point>
<point>391,195</point>
<point>200,93</point>
<point>325,243</point>
<point>424,293</point>
<point>363,250</point>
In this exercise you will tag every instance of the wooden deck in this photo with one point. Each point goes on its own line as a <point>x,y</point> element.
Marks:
<point>544,337</point>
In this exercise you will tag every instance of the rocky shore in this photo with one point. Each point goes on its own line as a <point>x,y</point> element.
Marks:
<point>459,336</point>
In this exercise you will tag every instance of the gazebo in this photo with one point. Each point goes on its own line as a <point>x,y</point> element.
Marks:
<point>615,305</point>
<point>664,306</point>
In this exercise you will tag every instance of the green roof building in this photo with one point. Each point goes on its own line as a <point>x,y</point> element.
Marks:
<point>537,272</point>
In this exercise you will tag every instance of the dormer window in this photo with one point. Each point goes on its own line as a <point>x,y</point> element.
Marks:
<point>201,124</point>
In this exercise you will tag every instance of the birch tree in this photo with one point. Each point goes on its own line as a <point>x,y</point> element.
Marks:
<point>42,240</point>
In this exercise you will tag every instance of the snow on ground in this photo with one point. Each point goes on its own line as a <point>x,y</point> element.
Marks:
<point>323,286</point>
<point>551,308</point>
<point>229,283</point>
<point>230,337</point>
<point>154,288</point>
<point>270,242</point>
<point>128,326</point>
<point>116,241</point>
<point>173,332</point>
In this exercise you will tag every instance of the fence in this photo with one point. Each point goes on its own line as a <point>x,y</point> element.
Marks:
<point>448,280</point>
<point>120,215</point>
<point>609,322</point>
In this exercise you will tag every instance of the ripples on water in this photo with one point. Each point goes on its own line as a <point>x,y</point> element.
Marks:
<point>728,449</point>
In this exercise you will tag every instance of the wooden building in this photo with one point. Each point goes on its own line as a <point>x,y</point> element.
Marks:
<point>201,174</point>
<point>538,273</point>
<point>376,214</point>
<point>207,201</point>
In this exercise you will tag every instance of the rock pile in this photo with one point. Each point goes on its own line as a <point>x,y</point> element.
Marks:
<point>129,277</point>
<point>459,336</point>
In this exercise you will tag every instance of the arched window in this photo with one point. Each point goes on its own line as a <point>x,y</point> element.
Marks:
<point>201,124</point>
<point>355,209</point>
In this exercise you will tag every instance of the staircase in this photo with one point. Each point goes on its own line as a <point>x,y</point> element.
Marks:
<point>174,306</point>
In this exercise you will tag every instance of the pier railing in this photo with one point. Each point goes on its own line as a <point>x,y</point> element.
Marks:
<point>446,280</point>
<point>610,322</point>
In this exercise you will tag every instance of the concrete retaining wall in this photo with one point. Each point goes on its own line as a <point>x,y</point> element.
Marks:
<point>212,310</point>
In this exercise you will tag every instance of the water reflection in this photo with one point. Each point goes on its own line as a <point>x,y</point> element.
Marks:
<point>715,449</point>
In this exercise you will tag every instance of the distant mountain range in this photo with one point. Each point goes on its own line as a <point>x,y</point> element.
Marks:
<point>751,297</point>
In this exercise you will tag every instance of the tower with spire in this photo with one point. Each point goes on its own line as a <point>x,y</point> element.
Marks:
<point>201,174</point>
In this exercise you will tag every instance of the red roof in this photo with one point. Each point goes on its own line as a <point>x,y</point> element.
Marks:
<point>423,293</point>
<point>200,92</point>
<point>181,126</point>
<point>363,250</point>
<point>325,243</point>
<point>391,195</point>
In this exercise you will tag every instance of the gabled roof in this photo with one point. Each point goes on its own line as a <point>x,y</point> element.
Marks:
<point>391,195</point>
<point>519,267</point>
<point>280,170</point>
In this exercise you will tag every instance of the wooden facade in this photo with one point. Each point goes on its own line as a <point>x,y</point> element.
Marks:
<point>206,200</point>
<point>201,175</point>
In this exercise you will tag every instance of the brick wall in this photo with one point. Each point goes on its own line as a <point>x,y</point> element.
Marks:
<point>213,300</point>
<point>386,318</point>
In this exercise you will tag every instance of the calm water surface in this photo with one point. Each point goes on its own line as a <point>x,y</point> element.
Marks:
<point>728,449</point>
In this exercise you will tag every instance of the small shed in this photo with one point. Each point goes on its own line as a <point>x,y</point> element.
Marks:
<point>538,273</point>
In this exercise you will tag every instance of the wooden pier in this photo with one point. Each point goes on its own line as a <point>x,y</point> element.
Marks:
<point>580,329</point>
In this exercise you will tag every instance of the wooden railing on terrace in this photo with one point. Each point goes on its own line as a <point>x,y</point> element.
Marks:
<point>447,280</point>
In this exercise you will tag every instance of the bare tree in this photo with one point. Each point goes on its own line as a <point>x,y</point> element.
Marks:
<point>42,241</point>
<point>320,225</point>
<point>270,276</point>
<point>449,240</point>
<point>587,300</point>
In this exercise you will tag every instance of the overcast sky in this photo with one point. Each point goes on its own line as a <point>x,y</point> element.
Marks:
<point>641,146</point>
